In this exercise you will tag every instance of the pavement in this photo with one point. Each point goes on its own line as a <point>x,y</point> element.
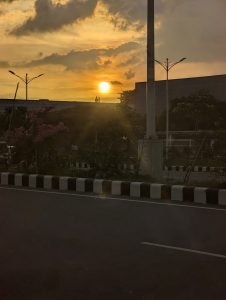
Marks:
<point>58,245</point>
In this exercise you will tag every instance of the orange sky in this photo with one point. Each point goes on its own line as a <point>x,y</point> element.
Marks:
<point>78,44</point>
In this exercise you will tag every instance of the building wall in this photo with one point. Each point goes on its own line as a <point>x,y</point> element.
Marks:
<point>214,85</point>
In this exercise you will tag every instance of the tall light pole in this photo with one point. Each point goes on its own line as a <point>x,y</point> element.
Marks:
<point>167,66</point>
<point>150,88</point>
<point>26,80</point>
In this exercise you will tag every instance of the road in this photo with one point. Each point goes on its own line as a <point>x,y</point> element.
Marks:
<point>64,246</point>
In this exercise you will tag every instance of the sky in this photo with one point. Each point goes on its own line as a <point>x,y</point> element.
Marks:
<point>78,44</point>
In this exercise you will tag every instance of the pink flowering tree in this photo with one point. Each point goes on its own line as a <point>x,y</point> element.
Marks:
<point>39,147</point>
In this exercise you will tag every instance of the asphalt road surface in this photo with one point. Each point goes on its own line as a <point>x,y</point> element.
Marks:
<point>64,246</point>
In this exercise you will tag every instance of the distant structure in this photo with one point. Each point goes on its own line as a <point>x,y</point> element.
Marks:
<point>35,105</point>
<point>214,85</point>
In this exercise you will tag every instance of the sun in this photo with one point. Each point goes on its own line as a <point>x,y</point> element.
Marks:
<point>104,87</point>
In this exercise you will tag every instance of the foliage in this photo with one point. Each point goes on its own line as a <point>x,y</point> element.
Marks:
<point>199,111</point>
<point>37,144</point>
<point>127,97</point>
<point>104,135</point>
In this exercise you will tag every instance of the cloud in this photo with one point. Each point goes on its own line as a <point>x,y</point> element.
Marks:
<point>131,61</point>
<point>4,64</point>
<point>51,17</point>
<point>7,1</point>
<point>126,12</point>
<point>107,63</point>
<point>84,60</point>
<point>129,74</point>
<point>116,82</point>
<point>194,29</point>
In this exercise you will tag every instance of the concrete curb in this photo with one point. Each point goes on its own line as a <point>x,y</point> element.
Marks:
<point>174,193</point>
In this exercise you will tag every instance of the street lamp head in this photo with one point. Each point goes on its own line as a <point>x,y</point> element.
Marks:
<point>11,72</point>
<point>182,59</point>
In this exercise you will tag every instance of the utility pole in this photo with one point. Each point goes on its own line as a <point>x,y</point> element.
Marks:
<point>167,66</point>
<point>150,149</point>
<point>150,88</point>
<point>26,80</point>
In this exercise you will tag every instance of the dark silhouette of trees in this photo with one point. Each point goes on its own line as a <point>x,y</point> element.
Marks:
<point>199,111</point>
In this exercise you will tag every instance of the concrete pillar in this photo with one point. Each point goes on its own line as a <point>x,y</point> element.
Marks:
<point>150,89</point>
<point>150,150</point>
<point>150,155</point>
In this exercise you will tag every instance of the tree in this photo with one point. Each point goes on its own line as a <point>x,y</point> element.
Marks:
<point>38,145</point>
<point>127,97</point>
<point>200,111</point>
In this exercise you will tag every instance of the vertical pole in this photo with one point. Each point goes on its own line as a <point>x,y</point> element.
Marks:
<point>151,149</point>
<point>26,83</point>
<point>167,109</point>
<point>150,88</point>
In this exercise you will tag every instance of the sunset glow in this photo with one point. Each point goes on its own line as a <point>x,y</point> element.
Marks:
<point>75,43</point>
<point>104,87</point>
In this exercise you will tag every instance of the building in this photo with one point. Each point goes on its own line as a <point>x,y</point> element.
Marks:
<point>214,85</point>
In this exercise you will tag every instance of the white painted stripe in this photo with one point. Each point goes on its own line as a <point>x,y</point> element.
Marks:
<point>177,193</point>
<point>80,185</point>
<point>65,194</point>
<point>200,195</point>
<point>63,183</point>
<point>116,188</point>
<point>135,189</point>
<point>4,178</point>
<point>185,250</point>
<point>48,182</point>
<point>222,197</point>
<point>98,186</point>
<point>156,191</point>
<point>18,179</point>
<point>32,180</point>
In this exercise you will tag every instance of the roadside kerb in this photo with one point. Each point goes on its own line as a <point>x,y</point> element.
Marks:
<point>140,190</point>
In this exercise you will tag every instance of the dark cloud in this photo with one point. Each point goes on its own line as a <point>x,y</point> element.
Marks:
<point>129,74</point>
<point>84,60</point>
<point>194,28</point>
<point>126,12</point>
<point>107,63</point>
<point>4,64</point>
<point>7,1</point>
<point>116,82</point>
<point>51,17</point>
<point>131,61</point>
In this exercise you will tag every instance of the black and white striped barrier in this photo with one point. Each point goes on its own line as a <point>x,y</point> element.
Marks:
<point>194,169</point>
<point>117,188</point>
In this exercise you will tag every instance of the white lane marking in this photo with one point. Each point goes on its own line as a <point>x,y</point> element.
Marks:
<point>184,250</point>
<point>101,197</point>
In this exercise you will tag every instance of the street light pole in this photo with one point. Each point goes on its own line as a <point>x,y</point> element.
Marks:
<point>167,66</point>
<point>26,83</point>
<point>26,80</point>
